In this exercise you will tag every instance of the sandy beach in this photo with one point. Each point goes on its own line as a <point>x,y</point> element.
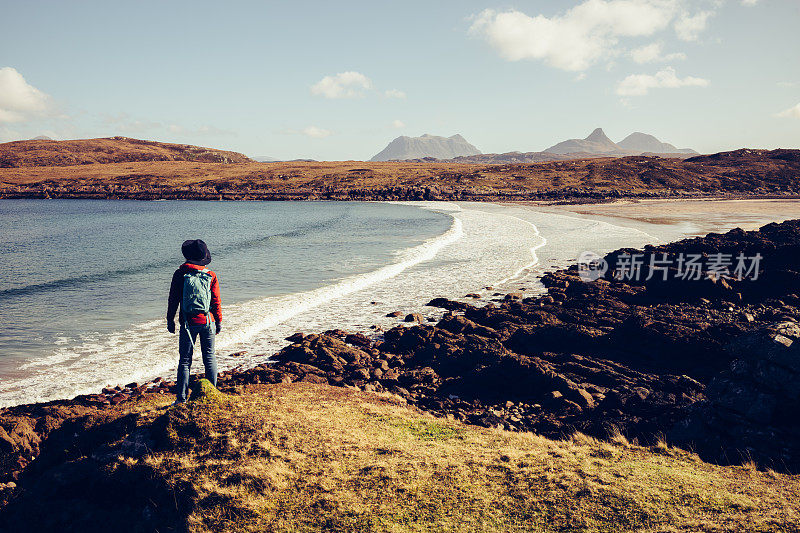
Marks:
<point>671,219</point>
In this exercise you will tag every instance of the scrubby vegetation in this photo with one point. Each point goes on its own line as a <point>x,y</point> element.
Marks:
<point>301,457</point>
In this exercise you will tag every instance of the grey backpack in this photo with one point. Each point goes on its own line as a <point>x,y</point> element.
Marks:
<point>196,292</point>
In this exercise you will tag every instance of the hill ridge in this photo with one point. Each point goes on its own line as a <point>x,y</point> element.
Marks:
<point>49,153</point>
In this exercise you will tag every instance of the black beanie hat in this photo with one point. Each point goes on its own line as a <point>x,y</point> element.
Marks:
<point>196,252</point>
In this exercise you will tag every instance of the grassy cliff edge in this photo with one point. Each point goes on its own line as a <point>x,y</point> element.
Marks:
<point>300,457</point>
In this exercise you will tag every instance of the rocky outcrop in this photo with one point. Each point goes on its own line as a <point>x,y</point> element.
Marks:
<point>752,406</point>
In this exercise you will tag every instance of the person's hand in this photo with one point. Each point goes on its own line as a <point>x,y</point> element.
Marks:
<point>219,327</point>
<point>171,326</point>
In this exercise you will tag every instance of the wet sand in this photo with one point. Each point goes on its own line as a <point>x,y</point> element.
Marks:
<point>675,219</point>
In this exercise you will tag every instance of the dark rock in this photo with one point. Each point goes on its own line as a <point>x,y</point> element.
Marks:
<point>358,339</point>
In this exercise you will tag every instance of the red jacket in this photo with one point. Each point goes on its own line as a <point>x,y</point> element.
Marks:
<point>176,295</point>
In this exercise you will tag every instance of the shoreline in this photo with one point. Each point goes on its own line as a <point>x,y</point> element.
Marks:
<point>253,354</point>
<point>402,194</point>
<point>459,366</point>
<point>615,215</point>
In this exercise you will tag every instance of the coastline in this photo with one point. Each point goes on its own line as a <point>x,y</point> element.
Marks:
<point>440,367</point>
<point>501,246</point>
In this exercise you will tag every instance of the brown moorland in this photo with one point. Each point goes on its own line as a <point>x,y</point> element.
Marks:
<point>48,153</point>
<point>739,173</point>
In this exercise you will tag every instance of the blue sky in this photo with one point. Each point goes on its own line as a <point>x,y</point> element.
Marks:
<point>339,80</point>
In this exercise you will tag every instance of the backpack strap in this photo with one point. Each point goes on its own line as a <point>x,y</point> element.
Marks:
<point>208,315</point>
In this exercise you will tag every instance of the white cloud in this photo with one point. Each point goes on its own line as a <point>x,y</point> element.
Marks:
<point>582,36</point>
<point>653,53</point>
<point>309,131</point>
<point>792,112</point>
<point>398,124</point>
<point>749,2</point>
<point>788,84</point>
<point>640,84</point>
<point>317,133</point>
<point>18,99</point>
<point>688,27</point>
<point>348,84</point>
<point>395,93</point>
<point>590,32</point>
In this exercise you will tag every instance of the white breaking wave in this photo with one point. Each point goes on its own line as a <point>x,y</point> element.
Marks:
<point>289,306</point>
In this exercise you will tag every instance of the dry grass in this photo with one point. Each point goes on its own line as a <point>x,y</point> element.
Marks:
<point>303,457</point>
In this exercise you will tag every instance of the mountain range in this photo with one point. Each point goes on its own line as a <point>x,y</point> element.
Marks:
<point>598,143</point>
<point>456,148</point>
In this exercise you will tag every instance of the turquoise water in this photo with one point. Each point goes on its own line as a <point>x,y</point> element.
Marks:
<point>79,267</point>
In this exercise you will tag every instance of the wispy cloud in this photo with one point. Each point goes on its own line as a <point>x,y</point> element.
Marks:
<point>640,84</point>
<point>314,132</point>
<point>653,53</point>
<point>19,100</point>
<point>688,27</point>
<point>348,84</point>
<point>398,124</point>
<point>792,112</point>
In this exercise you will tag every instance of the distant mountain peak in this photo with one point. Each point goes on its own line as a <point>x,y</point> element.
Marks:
<point>598,135</point>
<point>426,145</point>
<point>596,143</point>
<point>646,143</point>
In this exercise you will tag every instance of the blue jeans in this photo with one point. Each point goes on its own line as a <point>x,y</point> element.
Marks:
<point>186,339</point>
